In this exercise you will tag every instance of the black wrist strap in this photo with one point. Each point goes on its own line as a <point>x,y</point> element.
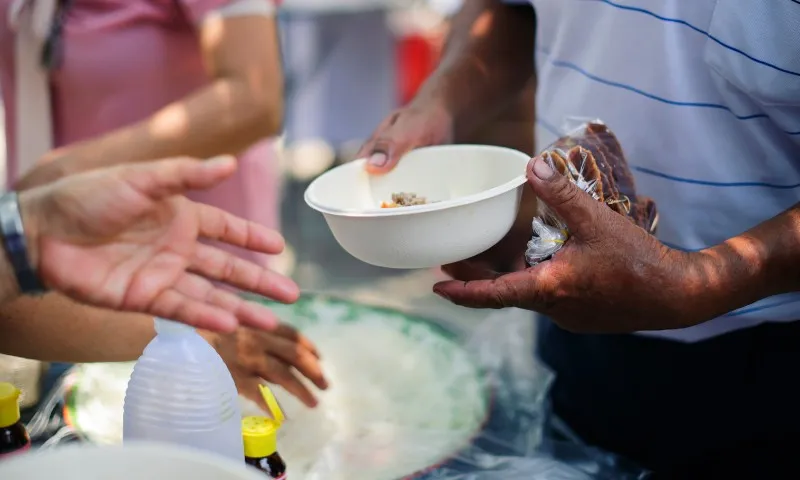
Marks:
<point>15,246</point>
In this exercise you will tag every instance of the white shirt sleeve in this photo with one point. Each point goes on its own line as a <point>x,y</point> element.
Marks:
<point>243,8</point>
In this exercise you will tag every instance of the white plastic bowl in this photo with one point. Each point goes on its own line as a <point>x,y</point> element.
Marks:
<point>475,192</point>
<point>144,461</point>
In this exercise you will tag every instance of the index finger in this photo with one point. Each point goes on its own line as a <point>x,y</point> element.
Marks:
<point>217,224</point>
<point>290,333</point>
<point>165,178</point>
<point>469,270</point>
<point>517,289</point>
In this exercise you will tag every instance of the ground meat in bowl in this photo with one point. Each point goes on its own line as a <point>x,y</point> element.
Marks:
<point>403,199</point>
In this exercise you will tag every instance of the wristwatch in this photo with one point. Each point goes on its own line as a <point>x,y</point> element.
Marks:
<point>15,246</point>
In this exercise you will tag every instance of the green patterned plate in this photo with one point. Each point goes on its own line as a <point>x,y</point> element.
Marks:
<point>405,395</point>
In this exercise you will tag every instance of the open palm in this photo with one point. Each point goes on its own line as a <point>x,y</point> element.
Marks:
<point>124,238</point>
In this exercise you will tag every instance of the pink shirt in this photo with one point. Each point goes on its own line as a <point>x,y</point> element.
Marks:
<point>122,61</point>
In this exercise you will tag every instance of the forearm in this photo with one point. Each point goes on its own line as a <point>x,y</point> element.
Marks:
<point>759,263</point>
<point>243,103</point>
<point>222,117</point>
<point>54,328</point>
<point>487,61</point>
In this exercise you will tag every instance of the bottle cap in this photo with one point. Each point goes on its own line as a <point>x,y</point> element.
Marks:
<point>9,404</point>
<point>272,404</point>
<point>260,436</point>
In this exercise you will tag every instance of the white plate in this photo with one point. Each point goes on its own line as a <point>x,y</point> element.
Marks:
<point>133,462</point>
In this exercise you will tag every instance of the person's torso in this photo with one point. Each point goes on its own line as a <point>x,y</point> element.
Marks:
<point>120,61</point>
<point>705,98</point>
<point>123,60</point>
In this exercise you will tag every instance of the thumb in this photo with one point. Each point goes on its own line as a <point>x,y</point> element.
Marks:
<point>383,155</point>
<point>576,207</point>
<point>165,178</point>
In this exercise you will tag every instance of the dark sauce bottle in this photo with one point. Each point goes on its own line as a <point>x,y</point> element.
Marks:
<point>260,437</point>
<point>13,436</point>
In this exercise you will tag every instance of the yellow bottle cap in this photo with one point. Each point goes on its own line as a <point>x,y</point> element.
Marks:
<point>272,404</point>
<point>260,436</point>
<point>9,404</point>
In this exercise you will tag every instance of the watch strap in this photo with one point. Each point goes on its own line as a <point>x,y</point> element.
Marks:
<point>15,245</point>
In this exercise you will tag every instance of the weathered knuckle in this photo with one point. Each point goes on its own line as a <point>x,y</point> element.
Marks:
<point>564,193</point>
<point>499,300</point>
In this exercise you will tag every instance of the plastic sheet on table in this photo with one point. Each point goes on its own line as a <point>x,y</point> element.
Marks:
<point>417,404</point>
<point>414,400</point>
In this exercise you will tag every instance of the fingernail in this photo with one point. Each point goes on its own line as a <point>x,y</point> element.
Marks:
<point>441,294</point>
<point>290,289</point>
<point>378,159</point>
<point>541,169</point>
<point>220,160</point>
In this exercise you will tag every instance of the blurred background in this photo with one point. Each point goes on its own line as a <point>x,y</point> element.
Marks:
<point>347,64</point>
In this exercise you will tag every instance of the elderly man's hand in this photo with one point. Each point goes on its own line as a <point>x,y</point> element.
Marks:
<point>611,276</point>
<point>124,238</point>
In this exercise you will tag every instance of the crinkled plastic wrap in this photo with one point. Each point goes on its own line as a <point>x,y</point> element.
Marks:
<point>591,157</point>
<point>427,439</point>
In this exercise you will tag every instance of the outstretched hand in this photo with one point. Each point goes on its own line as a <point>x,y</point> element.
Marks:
<point>282,356</point>
<point>124,238</point>
<point>610,276</point>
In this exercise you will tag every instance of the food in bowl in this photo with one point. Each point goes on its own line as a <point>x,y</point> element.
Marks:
<point>404,199</point>
<point>472,194</point>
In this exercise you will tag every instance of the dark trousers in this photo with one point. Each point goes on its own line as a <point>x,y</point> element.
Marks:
<point>727,407</point>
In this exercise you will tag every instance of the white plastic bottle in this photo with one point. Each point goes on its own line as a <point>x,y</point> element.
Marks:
<point>181,392</point>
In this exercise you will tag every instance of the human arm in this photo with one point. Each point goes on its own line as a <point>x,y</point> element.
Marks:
<point>136,243</point>
<point>242,103</point>
<point>487,61</point>
<point>54,328</point>
<point>759,263</point>
<point>613,277</point>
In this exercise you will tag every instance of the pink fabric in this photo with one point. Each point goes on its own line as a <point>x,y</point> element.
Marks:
<point>123,60</point>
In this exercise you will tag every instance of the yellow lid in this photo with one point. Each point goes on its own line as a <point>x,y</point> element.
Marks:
<point>9,406</point>
<point>272,404</point>
<point>260,436</point>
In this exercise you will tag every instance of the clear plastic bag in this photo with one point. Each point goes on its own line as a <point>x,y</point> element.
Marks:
<point>509,443</point>
<point>592,158</point>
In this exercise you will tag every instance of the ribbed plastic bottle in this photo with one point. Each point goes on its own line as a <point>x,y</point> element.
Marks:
<point>181,392</point>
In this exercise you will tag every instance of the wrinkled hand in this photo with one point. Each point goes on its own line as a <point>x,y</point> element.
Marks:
<point>423,123</point>
<point>610,276</point>
<point>123,238</point>
<point>278,357</point>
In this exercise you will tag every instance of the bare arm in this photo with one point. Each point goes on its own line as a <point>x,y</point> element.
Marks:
<point>243,103</point>
<point>759,263</point>
<point>487,62</point>
<point>54,328</point>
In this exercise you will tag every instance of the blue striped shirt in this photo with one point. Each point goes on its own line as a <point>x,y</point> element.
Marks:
<point>705,98</point>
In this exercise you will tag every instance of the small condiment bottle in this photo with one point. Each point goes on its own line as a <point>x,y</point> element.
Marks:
<point>260,437</point>
<point>13,436</point>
